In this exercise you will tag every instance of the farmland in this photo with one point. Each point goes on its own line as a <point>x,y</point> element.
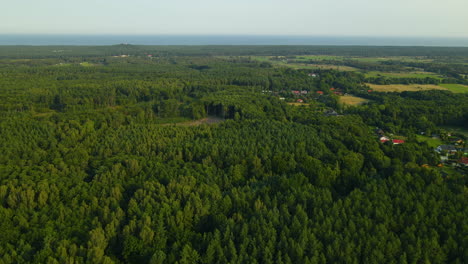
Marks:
<point>404,87</point>
<point>456,88</point>
<point>410,74</point>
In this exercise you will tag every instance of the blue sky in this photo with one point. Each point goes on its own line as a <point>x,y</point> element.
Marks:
<point>433,18</point>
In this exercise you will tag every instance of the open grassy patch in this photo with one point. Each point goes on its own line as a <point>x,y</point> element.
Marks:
<point>404,87</point>
<point>211,120</point>
<point>298,65</point>
<point>352,100</point>
<point>319,57</point>
<point>415,74</point>
<point>456,88</point>
<point>328,67</point>
<point>86,64</point>
<point>432,142</point>
<point>393,58</point>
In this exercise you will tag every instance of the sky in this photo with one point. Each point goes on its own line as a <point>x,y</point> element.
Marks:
<point>401,18</point>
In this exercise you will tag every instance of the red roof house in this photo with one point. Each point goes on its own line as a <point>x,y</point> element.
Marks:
<point>300,100</point>
<point>464,161</point>
<point>384,139</point>
<point>398,141</point>
<point>319,92</point>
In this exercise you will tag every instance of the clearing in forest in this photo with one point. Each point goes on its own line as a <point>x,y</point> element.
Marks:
<point>432,142</point>
<point>352,100</point>
<point>207,120</point>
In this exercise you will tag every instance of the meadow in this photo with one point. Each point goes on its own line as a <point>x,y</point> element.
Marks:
<point>409,74</point>
<point>432,142</point>
<point>456,88</point>
<point>404,87</point>
<point>352,100</point>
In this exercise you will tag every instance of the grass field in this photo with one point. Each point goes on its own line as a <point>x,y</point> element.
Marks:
<point>328,66</point>
<point>430,141</point>
<point>402,74</point>
<point>304,65</point>
<point>404,87</point>
<point>352,100</point>
<point>395,58</point>
<point>86,64</point>
<point>320,57</point>
<point>456,88</point>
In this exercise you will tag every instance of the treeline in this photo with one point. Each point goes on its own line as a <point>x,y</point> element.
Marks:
<point>28,52</point>
<point>414,112</point>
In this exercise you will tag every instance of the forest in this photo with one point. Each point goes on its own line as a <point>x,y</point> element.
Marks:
<point>204,154</point>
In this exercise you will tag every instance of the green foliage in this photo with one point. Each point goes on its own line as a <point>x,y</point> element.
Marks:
<point>92,172</point>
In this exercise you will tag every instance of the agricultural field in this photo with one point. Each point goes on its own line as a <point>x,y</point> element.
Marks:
<point>418,74</point>
<point>456,88</point>
<point>326,67</point>
<point>320,57</point>
<point>352,100</point>
<point>295,65</point>
<point>395,58</point>
<point>404,87</point>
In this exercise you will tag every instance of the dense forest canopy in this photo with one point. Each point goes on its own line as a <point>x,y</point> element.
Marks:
<point>204,155</point>
<point>222,50</point>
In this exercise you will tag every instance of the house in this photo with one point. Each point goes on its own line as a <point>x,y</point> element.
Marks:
<point>300,100</point>
<point>304,92</point>
<point>384,139</point>
<point>282,98</point>
<point>398,141</point>
<point>331,112</point>
<point>332,89</point>
<point>338,93</point>
<point>296,92</point>
<point>463,161</point>
<point>450,149</point>
<point>379,131</point>
<point>320,92</point>
<point>312,75</point>
<point>456,140</point>
<point>369,91</point>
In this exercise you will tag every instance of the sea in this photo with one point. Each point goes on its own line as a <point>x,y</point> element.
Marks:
<point>97,40</point>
